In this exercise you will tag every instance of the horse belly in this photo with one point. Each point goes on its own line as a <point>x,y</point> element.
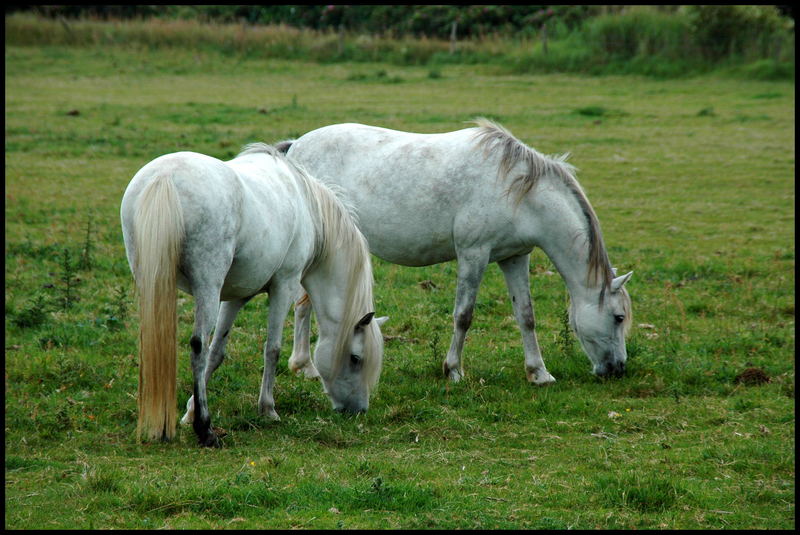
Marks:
<point>417,243</point>
<point>246,278</point>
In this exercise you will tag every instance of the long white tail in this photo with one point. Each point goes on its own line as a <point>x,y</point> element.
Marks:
<point>158,234</point>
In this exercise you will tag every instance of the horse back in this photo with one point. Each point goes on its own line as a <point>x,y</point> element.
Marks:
<point>411,191</point>
<point>240,221</point>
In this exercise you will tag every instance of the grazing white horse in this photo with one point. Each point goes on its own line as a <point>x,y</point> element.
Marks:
<point>476,195</point>
<point>224,232</point>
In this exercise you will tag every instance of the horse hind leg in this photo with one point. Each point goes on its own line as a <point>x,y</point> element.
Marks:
<point>517,278</point>
<point>300,360</point>
<point>216,353</point>
<point>206,312</point>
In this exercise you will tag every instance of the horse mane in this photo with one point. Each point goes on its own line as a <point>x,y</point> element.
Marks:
<point>337,234</point>
<point>493,137</point>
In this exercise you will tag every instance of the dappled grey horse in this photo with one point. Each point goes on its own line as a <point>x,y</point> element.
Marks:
<point>476,195</point>
<point>225,232</point>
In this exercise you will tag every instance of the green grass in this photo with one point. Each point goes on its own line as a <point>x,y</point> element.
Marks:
<point>699,205</point>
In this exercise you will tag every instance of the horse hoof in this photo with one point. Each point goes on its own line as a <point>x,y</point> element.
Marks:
<point>311,372</point>
<point>306,369</point>
<point>210,441</point>
<point>541,378</point>
<point>454,374</point>
<point>269,413</point>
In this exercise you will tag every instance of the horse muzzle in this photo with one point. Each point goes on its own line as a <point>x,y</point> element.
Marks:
<point>611,369</point>
<point>350,408</point>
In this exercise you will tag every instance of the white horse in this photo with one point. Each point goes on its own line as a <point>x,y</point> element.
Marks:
<point>224,232</point>
<point>476,195</point>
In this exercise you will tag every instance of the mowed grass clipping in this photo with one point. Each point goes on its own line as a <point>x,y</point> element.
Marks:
<point>693,183</point>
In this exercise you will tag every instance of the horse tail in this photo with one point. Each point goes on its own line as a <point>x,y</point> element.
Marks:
<point>158,234</point>
<point>283,146</point>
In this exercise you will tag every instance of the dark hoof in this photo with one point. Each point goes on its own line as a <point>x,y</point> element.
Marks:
<point>205,434</point>
<point>210,440</point>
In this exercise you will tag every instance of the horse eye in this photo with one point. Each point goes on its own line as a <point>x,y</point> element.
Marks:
<point>619,318</point>
<point>355,360</point>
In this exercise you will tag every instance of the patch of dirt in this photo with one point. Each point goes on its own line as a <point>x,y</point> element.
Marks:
<point>752,376</point>
<point>427,285</point>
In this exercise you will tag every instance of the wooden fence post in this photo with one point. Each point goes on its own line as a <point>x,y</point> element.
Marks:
<point>544,38</point>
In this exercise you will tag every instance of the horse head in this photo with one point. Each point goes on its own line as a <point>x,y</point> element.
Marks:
<point>601,325</point>
<point>354,372</point>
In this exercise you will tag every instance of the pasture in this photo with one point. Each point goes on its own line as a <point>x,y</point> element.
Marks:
<point>693,184</point>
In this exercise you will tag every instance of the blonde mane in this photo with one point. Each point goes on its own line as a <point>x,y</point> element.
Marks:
<point>338,237</point>
<point>493,137</point>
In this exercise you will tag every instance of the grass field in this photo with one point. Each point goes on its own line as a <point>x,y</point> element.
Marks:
<point>693,183</point>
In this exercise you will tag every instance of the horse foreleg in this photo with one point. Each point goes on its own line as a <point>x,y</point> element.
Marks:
<point>216,354</point>
<point>206,312</point>
<point>280,299</point>
<point>470,272</point>
<point>300,361</point>
<point>517,278</point>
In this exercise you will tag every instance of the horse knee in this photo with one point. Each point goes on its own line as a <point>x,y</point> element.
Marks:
<point>463,319</point>
<point>271,354</point>
<point>528,321</point>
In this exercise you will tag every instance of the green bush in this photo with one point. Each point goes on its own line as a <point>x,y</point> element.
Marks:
<point>638,32</point>
<point>721,30</point>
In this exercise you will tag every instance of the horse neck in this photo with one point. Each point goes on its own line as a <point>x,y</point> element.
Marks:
<point>327,284</point>
<point>564,238</point>
<point>340,272</point>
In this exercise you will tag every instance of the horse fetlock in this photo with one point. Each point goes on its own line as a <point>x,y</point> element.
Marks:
<point>310,371</point>
<point>303,365</point>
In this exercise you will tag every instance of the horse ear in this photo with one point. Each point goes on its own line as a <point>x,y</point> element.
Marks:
<point>620,281</point>
<point>363,322</point>
<point>614,271</point>
<point>380,321</point>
